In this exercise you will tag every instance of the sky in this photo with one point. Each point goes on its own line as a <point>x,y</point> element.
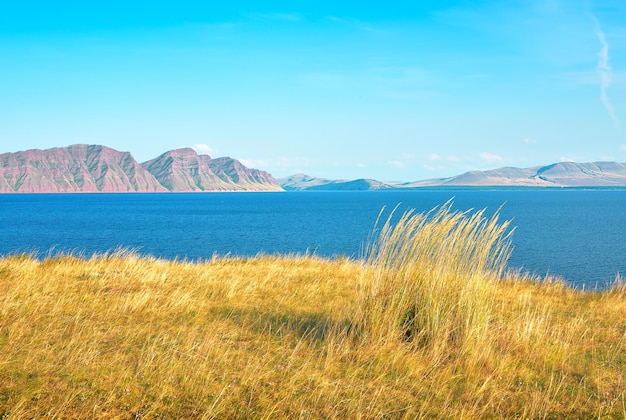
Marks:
<point>394,90</point>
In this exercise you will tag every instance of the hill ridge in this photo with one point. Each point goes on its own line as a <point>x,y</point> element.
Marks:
<point>560,174</point>
<point>98,168</point>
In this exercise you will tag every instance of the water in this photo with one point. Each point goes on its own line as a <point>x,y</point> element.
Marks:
<point>579,235</point>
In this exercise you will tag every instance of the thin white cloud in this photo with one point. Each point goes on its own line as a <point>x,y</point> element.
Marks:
<point>622,147</point>
<point>491,157</point>
<point>204,148</point>
<point>254,163</point>
<point>432,168</point>
<point>396,164</point>
<point>528,140</point>
<point>279,164</point>
<point>618,78</point>
<point>604,71</point>
<point>434,157</point>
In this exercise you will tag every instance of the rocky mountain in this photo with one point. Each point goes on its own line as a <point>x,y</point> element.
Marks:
<point>233,172</point>
<point>185,170</point>
<point>95,168</point>
<point>563,174</point>
<point>77,168</point>
<point>584,174</point>
<point>301,182</point>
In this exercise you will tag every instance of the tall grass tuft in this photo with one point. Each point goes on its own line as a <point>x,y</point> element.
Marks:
<point>121,336</point>
<point>429,277</point>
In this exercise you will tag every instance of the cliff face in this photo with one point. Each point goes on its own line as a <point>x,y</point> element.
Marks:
<point>77,168</point>
<point>185,170</point>
<point>93,168</point>
<point>182,170</point>
<point>234,173</point>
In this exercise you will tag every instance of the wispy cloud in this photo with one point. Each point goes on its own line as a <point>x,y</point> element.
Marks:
<point>527,140</point>
<point>255,163</point>
<point>403,160</point>
<point>604,71</point>
<point>618,78</point>
<point>396,164</point>
<point>434,157</point>
<point>491,157</point>
<point>449,158</point>
<point>281,164</point>
<point>204,148</point>
<point>622,147</point>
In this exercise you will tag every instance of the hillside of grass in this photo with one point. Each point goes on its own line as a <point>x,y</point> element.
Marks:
<point>428,324</point>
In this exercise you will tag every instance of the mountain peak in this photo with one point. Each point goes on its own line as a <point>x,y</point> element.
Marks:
<point>97,168</point>
<point>562,174</point>
<point>182,152</point>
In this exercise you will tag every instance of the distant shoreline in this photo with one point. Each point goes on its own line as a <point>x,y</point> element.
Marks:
<point>429,188</point>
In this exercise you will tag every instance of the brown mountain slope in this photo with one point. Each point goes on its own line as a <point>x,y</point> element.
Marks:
<point>562,174</point>
<point>234,173</point>
<point>185,170</point>
<point>94,168</point>
<point>77,168</point>
<point>182,170</point>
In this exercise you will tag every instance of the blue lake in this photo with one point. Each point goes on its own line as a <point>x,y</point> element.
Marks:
<point>579,235</point>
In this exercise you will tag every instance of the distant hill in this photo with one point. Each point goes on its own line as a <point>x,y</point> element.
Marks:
<point>563,174</point>
<point>304,182</point>
<point>185,170</point>
<point>96,168</point>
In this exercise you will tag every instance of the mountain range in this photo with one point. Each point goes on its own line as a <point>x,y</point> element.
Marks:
<point>563,174</point>
<point>95,168</point>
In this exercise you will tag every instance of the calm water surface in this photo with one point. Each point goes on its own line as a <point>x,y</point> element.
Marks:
<point>579,235</point>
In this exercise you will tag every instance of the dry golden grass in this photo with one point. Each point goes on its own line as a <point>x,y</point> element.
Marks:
<point>119,336</point>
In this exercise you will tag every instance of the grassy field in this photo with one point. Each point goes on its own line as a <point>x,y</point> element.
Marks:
<point>428,324</point>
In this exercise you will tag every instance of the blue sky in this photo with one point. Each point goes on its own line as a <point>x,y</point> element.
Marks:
<point>387,90</point>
